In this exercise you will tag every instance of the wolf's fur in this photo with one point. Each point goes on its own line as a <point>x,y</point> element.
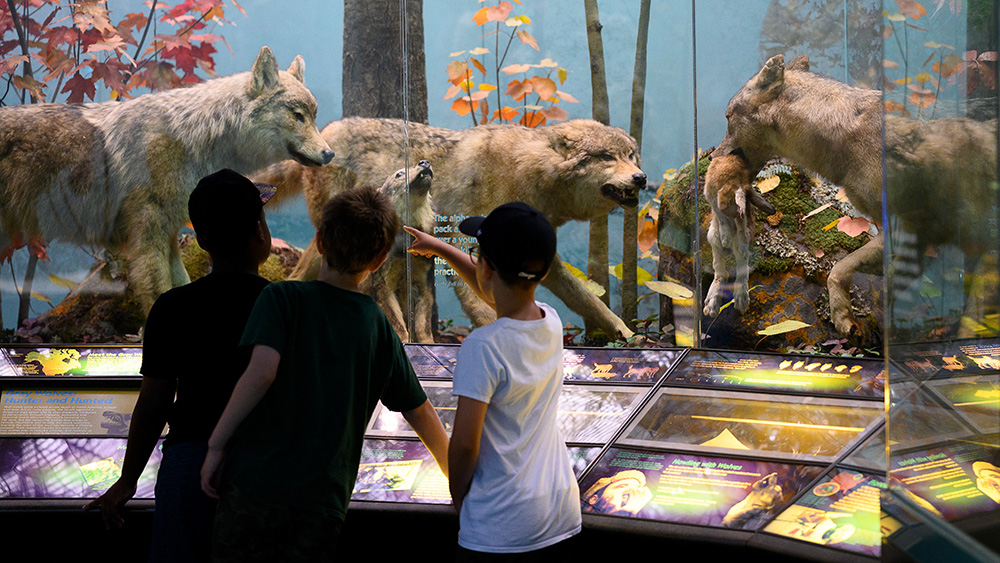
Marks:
<point>577,170</point>
<point>938,170</point>
<point>388,285</point>
<point>728,190</point>
<point>118,174</point>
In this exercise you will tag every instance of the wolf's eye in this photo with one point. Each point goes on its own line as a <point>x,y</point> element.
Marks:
<point>299,116</point>
<point>400,174</point>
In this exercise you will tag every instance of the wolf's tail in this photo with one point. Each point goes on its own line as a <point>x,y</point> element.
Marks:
<point>287,176</point>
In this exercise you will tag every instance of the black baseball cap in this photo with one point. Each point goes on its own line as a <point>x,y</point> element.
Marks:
<point>516,238</point>
<point>225,203</point>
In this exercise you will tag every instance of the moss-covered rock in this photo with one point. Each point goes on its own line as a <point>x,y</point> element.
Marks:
<point>791,258</point>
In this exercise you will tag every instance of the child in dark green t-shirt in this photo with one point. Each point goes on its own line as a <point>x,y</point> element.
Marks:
<point>323,356</point>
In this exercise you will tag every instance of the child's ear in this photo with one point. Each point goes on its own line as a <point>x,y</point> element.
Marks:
<point>377,263</point>
<point>319,244</point>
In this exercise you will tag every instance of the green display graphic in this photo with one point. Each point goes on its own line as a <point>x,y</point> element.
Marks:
<point>842,511</point>
<point>70,360</point>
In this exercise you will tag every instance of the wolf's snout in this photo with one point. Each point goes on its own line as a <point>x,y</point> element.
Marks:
<point>326,155</point>
<point>639,179</point>
<point>424,164</point>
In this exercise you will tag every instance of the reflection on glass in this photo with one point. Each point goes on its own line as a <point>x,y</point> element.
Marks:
<point>754,425</point>
<point>45,468</point>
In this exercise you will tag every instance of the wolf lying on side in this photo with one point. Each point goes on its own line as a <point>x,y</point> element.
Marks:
<point>576,170</point>
<point>118,174</point>
<point>727,190</point>
<point>938,171</point>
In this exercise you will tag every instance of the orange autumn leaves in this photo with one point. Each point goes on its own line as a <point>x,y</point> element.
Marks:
<point>536,90</point>
<point>947,67</point>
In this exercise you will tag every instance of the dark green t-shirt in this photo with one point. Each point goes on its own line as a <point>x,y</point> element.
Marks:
<point>301,445</point>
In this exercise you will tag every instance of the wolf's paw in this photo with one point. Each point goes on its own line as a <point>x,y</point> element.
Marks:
<point>845,323</point>
<point>741,298</point>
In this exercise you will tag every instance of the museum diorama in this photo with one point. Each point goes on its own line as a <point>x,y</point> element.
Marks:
<point>778,263</point>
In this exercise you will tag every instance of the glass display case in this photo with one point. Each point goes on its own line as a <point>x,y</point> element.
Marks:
<point>778,226</point>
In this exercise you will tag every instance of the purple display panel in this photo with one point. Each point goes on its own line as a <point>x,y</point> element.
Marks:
<point>707,491</point>
<point>954,481</point>
<point>61,468</point>
<point>431,360</point>
<point>842,511</point>
<point>70,361</point>
<point>816,375</point>
<point>947,359</point>
<point>617,364</point>
<point>399,471</point>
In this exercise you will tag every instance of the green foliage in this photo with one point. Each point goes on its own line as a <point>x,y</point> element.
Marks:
<point>272,270</point>
<point>195,260</point>
<point>770,265</point>
<point>831,239</point>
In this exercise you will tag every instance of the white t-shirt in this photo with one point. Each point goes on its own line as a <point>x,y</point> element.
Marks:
<point>523,494</point>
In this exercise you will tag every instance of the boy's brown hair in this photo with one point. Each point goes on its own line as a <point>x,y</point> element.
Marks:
<point>357,227</point>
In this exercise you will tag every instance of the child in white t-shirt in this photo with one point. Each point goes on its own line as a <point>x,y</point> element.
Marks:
<point>510,474</point>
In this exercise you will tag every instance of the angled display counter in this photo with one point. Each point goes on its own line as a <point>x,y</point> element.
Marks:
<point>781,452</point>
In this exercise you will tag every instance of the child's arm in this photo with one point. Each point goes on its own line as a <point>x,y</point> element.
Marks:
<point>251,387</point>
<point>463,451</point>
<point>148,418</point>
<point>425,421</point>
<point>429,246</point>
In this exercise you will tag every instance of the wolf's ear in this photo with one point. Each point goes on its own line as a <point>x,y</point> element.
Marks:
<point>800,62</point>
<point>265,72</point>
<point>298,68</point>
<point>771,78</point>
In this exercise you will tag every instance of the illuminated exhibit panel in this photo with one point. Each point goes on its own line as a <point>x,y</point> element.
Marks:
<point>955,480</point>
<point>67,468</point>
<point>936,360</point>
<point>976,399</point>
<point>813,375</point>
<point>691,489</point>
<point>587,413</point>
<point>70,360</point>
<point>842,510</point>
<point>66,412</point>
<point>62,437</point>
<point>786,427</point>
<point>399,471</point>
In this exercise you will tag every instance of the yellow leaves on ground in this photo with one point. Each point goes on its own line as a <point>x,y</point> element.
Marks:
<point>768,184</point>
<point>782,327</point>
<point>670,289</point>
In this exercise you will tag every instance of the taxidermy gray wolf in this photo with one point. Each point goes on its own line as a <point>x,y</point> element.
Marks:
<point>118,174</point>
<point>576,170</point>
<point>939,172</point>
<point>728,190</point>
<point>409,189</point>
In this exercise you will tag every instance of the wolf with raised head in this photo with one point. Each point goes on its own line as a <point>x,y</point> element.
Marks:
<point>575,170</point>
<point>409,189</point>
<point>118,174</point>
<point>937,171</point>
<point>730,233</point>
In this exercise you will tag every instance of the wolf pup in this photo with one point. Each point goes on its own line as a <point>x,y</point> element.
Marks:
<point>410,190</point>
<point>118,174</point>
<point>727,190</point>
<point>575,170</point>
<point>941,168</point>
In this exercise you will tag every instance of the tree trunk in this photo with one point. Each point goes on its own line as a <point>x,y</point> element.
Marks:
<point>630,234</point>
<point>597,262</point>
<point>376,82</point>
